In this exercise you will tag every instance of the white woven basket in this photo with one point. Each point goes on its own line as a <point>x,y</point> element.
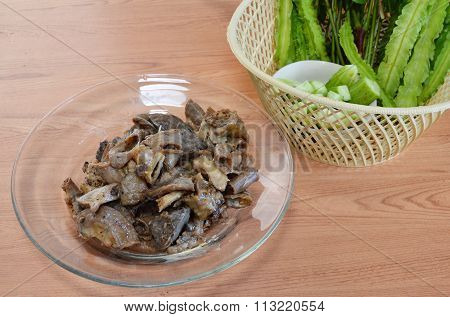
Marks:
<point>332,132</point>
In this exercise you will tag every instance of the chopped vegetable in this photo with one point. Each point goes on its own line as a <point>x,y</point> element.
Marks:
<point>349,47</point>
<point>290,82</point>
<point>306,87</point>
<point>319,87</point>
<point>418,67</point>
<point>400,45</point>
<point>365,91</point>
<point>347,75</point>
<point>344,92</point>
<point>334,96</point>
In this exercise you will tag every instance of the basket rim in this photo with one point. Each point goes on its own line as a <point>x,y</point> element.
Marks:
<point>237,51</point>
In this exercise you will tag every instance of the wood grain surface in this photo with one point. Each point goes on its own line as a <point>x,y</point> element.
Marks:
<point>380,231</point>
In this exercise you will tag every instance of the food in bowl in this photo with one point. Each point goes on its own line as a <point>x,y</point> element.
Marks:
<point>164,183</point>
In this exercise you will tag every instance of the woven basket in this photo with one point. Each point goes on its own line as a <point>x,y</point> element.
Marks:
<point>332,132</point>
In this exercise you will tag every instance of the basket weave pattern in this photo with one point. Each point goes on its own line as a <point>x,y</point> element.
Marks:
<point>328,131</point>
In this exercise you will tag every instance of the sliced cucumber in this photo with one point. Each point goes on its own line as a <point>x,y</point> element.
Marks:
<point>347,75</point>
<point>334,96</point>
<point>344,92</point>
<point>306,87</point>
<point>319,87</point>
<point>364,92</point>
<point>290,82</point>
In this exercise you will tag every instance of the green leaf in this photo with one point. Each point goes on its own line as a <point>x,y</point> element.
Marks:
<point>400,44</point>
<point>348,45</point>
<point>418,68</point>
<point>360,1</point>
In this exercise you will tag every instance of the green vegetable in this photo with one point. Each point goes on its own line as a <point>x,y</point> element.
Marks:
<point>334,96</point>
<point>290,82</point>
<point>365,91</point>
<point>306,87</point>
<point>298,38</point>
<point>319,87</point>
<point>437,76</point>
<point>344,92</point>
<point>283,37</point>
<point>350,50</point>
<point>418,68</point>
<point>346,75</point>
<point>444,36</point>
<point>312,29</point>
<point>400,44</point>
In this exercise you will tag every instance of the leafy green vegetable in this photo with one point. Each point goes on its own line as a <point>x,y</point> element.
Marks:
<point>310,23</point>
<point>444,36</point>
<point>418,68</point>
<point>437,76</point>
<point>350,50</point>
<point>283,37</point>
<point>400,44</point>
<point>298,38</point>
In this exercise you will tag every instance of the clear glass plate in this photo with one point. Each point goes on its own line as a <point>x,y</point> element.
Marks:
<point>69,135</point>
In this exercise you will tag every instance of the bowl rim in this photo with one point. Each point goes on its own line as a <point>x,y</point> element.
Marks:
<point>220,268</point>
<point>243,60</point>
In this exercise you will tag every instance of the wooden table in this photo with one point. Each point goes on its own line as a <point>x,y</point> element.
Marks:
<point>375,231</point>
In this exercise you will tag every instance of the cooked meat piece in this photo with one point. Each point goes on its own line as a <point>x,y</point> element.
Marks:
<point>171,158</point>
<point>72,193</point>
<point>191,142</point>
<point>215,175</point>
<point>241,200</point>
<point>178,184</point>
<point>126,212</point>
<point>227,159</point>
<point>165,122</point>
<point>99,196</point>
<point>149,164</point>
<point>105,172</point>
<point>143,122</point>
<point>169,175</point>
<point>220,126</point>
<point>194,113</point>
<point>196,226</point>
<point>145,207</point>
<point>206,201</point>
<point>108,226</point>
<point>222,151</point>
<point>167,200</point>
<point>168,139</point>
<point>133,190</point>
<point>101,149</point>
<point>187,240</point>
<point>145,217</point>
<point>92,177</point>
<point>167,227</point>
<point>122,152</point>
<point>241,182</point>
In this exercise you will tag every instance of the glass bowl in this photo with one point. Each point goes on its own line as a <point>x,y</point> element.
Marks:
<point>69,135</point>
